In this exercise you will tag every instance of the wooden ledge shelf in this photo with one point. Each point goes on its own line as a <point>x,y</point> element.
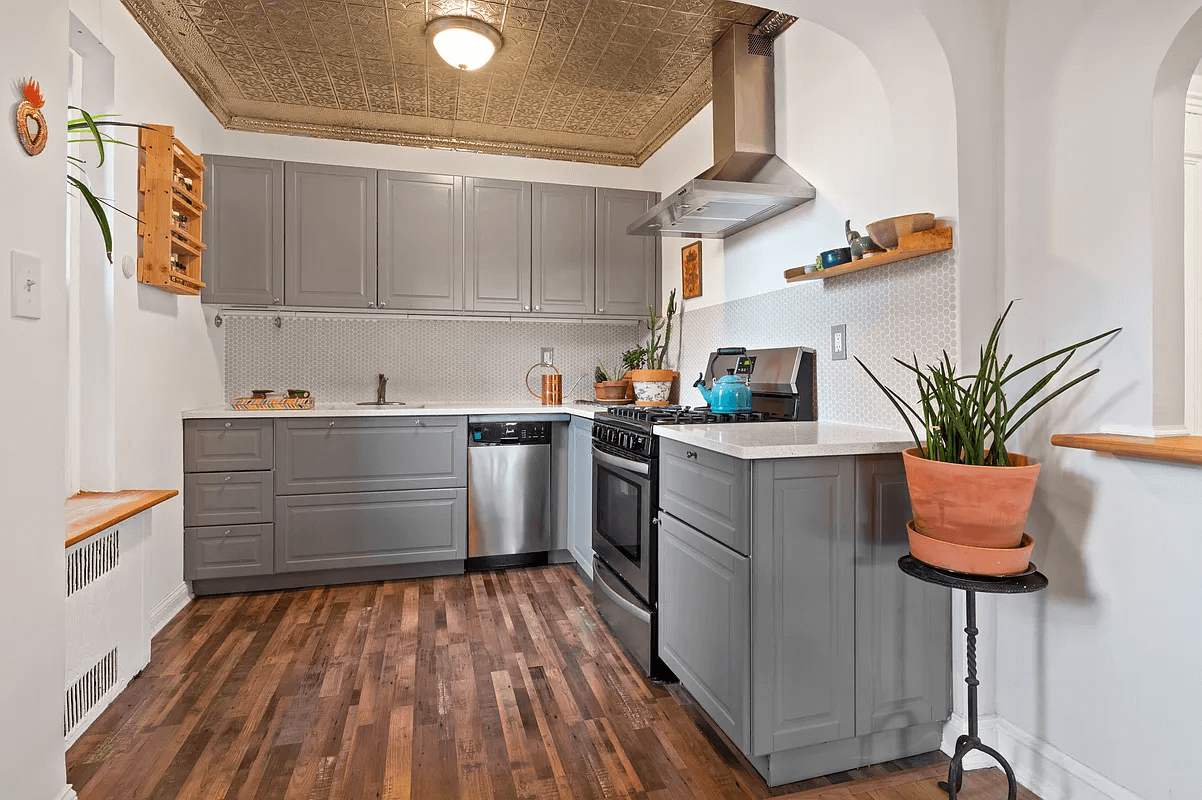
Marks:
<point>1177,449</point>
<point>914,245</point>
<point>88,513</point>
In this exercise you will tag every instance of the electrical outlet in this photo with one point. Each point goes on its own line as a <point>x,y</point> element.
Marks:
<point>839,342</point>
<point>547,355</point>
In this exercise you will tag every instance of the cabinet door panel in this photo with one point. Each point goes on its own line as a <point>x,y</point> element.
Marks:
<point>903,625</point>
<point>626,265</point>
<point>421,241</point>
<point>804,603</point>
<point>705,622</point>
<point>227,551</point>
<point>708,490</point>
<point>352,454</point>
<point>563,249</point>
<point>335,531</point>
<point>227,498</point>
<point>497,245</point>
<point>330,236</point>
<point>243,231</point>
<point>225,445</point>
<point>580,483</point>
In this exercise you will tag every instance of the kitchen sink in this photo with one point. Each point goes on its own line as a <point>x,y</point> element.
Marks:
<point>390,403</point>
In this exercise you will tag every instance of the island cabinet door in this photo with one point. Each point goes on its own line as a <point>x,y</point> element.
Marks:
<point>903,625</point>
<point>705,623</point>
<point>803,603</point>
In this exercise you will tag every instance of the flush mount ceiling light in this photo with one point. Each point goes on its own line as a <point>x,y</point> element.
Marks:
<point>464,42</point>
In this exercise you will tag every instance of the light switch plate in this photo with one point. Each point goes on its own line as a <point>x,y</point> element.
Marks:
<point>839,342</point>
<point>547,355</point>
<point>27,285</point>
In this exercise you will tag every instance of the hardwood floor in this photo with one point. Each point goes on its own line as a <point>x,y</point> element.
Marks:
<point>498,684</point>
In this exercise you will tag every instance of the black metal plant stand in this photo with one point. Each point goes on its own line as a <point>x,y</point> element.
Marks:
<point>1029,581</point>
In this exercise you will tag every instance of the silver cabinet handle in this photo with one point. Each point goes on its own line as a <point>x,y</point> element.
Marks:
<point>228,424</point>
<point>690,454</point>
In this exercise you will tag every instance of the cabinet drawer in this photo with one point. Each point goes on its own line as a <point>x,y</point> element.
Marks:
<point>227,551</point>
<point>708,490</point>
<point>355,454</point>
<point>333,531</point>
<point>225,445</point>
<point>227,498</point>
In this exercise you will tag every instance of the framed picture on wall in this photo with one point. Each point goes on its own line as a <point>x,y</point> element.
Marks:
<point>690,266</point>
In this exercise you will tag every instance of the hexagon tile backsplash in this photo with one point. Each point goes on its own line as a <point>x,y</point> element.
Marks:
<point>891,311</point>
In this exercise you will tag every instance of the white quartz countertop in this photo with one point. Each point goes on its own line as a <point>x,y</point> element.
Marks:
<point>788,439</point>
<point>417,410</point>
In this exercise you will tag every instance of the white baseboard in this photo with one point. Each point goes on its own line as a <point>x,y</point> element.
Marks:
<point>1151,431</point>
<point>957,725</point>
<point>1051,773</point>
<point>68,793</point>
<point>168,607</point>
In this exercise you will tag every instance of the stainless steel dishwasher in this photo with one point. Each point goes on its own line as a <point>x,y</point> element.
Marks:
<point>508,493</point>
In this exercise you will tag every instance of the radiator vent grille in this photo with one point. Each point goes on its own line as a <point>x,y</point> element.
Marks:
<point>88,690</point>
<point>98,557</point>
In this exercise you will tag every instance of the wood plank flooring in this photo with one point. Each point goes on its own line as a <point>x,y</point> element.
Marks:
<point>489,685</point>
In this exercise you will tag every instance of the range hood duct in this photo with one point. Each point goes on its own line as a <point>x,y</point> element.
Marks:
<point>748,183</point>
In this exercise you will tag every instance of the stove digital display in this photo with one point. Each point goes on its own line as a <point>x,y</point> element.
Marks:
<point>745,365</point>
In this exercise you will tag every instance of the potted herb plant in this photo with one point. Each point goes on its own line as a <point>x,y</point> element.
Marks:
<point>966,488</point>
<point>609,387</point>
<point>653,383</point>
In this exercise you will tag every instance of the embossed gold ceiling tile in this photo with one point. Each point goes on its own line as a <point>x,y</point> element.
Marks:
<point>647,17</point>
<point>492,13</point>
<point>405,5</point>
<point>679,22</point>
<point>442,8</point>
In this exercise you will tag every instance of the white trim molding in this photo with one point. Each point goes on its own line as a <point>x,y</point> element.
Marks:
<point>1051,773</point>
<point>1150,431</point>
<point>957,725</point>
<point>166,609</point>
<point>68,793</point>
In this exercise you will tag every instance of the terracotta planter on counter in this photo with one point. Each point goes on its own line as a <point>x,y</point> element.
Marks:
<point>612,390</point>
<point>969,505</point>
<point>652,387</point>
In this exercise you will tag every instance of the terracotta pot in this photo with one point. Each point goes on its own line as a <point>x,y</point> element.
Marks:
<point>972,560</point>
<point>975,506</point>
<point>611,390</point>
<point>652,387</point>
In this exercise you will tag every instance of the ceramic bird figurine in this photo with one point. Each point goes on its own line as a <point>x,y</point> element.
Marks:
<point>859,244</point>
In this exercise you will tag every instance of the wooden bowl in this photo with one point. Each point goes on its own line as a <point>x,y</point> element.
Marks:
<point>886,232</point>
<point>970,560</point>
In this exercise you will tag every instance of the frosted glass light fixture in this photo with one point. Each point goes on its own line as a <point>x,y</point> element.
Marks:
<point>464,42</point>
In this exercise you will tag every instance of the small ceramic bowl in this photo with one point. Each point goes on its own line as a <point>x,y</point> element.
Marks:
<point>836,257</point>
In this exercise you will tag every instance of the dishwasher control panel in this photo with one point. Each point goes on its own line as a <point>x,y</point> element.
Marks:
<point>484,434</point>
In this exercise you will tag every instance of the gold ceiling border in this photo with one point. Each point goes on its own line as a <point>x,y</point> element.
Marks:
<point>700,99</point>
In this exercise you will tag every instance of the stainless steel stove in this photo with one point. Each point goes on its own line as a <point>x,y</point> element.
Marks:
<point>626,486</point>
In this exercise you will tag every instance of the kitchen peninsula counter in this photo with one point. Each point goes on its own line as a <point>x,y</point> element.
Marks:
<point>772,440</point>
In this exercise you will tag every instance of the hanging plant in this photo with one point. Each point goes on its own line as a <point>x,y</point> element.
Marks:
<point>89,125</point>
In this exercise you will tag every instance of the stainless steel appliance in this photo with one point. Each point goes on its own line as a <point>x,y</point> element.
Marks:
<point>626,487</point>
<point>508,493</point>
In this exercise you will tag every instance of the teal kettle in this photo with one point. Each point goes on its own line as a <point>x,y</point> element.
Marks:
<point>730,394</point>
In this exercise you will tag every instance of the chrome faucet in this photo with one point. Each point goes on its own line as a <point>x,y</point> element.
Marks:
<point>381,390</point>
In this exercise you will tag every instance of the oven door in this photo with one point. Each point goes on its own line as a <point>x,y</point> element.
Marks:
<point>623,505</point>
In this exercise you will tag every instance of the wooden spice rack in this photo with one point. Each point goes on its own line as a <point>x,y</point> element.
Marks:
<point>170,246</point>
<point>911,245</point>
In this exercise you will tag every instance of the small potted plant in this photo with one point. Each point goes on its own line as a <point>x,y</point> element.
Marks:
<point>609,387</point>
<point>653,383</point>
<point>970,494</point>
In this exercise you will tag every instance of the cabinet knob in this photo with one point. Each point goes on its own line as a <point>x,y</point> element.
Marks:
<point>382,304</point>
<point>525,308</point>
<point>538,308</point>
<point>371,304</point>
<point>276,301</point>
<point>227,533</point>
<point>690,454</point>
<point>227,424</point>
<point>227,478</point>
<point>600,310</point>
<point>331,423</point>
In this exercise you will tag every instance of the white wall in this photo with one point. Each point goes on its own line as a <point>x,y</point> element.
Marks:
<point>33,358</point>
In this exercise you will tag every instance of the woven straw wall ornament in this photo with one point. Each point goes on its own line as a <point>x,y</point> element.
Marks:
<point>31,125</point>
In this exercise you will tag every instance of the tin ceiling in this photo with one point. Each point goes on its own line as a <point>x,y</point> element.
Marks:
<point>602,81</point>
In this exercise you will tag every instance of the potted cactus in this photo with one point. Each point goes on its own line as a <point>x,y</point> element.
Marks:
<point>653,383</point>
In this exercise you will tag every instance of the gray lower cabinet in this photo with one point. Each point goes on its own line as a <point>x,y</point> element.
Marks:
<point>902,646</point>
<point>243,231</point>
<point>227,445</point>
<point>316,455</point>
<point>708,490</point>
<point>803,603</point>
<point>329,236</point>
<point>562,249</point>
<point>496,243</point>
<point>627,266</point>
<point>228,551</point>
<point>420,241</point>
<point>580,489</point>
<point>705,624</point>
<point>227,498</point>
<point>337,531</point>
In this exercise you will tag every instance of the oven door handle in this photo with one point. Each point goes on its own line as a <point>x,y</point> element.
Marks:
<point>637,467</point>
<point>622,602</point>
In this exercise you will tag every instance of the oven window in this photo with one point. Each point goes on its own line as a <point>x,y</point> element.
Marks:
<point>618,512</point>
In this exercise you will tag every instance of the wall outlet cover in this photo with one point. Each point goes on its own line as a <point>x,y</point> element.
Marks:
<point>27,285</point>
<point>547,355</point>
<point>839,342</point>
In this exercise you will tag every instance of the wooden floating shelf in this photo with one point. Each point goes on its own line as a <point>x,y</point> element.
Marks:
<point>169,257</point>
<point>913,245</point>
<point>1178,449</point>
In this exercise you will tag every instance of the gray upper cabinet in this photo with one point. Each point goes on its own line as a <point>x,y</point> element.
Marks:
<point>496,245</point>
<point>627,265</point>
<point>420,241</point>
<point>330,236</point>
<point>243,231</point>
<point>903,625</point>
<point>563,249</point>
<point>803,603</point>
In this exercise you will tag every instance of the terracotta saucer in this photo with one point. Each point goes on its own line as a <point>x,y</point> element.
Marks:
<point>971,560</point>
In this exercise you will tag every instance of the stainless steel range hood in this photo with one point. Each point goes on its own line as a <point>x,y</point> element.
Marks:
<point>748,183</point>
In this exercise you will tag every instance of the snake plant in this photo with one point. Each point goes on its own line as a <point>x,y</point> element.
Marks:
<point>89,125</point>
<point>968,419</point>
